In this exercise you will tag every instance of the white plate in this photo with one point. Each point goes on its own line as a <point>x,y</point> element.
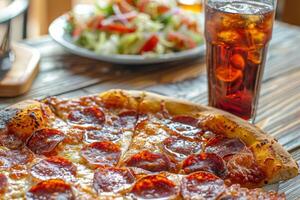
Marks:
<point>57,32</point>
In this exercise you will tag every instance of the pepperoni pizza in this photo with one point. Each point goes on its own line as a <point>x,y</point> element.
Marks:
<point>134,145</point>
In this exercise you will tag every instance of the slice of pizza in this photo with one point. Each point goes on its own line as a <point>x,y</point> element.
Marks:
<point>232,148</point>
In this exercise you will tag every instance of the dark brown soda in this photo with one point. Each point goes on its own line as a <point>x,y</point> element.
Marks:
<point>237,37</point>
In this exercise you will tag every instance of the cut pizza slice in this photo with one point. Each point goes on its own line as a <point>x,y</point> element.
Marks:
<point>252,158</point>
<point>99,122</point>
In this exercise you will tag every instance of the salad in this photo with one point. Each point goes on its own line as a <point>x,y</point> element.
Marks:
<point>135,27</point>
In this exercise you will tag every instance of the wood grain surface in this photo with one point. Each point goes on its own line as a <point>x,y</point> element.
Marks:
<point>66,75</point>
<point>22,73</point>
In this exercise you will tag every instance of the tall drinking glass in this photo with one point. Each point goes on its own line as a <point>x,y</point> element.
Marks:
<point>237,35</point>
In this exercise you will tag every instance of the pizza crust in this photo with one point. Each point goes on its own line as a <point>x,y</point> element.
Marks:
<point>271,156</point>
<point>23,118</point>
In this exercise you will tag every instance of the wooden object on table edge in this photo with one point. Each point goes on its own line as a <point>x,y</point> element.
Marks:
<point>20,77</point>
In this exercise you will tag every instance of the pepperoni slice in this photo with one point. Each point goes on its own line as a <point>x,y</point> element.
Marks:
<point>112,179</point>
<point>154,187</point>
<point>44,141</point>
<point>224,146</point>
<point>103,153</point>
<point>128,119</point>
<point>180,147</point>
<point>154,162</point>
<point>185,130</point>
<point>3,183</point>
<point>10,158</point>
<point>87,116</point>
<point>53,168</point>
<point>186,120</point>
<point>209,162</point>
<point>202,185</point>
<point>51,190</point>
<point>243,169</point>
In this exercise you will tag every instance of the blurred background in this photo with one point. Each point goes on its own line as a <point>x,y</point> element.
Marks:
<point>35,20</point>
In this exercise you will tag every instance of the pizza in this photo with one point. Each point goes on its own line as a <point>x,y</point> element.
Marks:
<point>134,145</point>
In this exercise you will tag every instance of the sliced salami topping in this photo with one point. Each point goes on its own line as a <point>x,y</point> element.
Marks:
<point>243,169</point>
<point>54,168</point>
<point>154,187</point>
<point>209,162</point>
<point>180,147</point>
<point>128,119</point>
<point>3,183</point>
<point>184,119</point>
<point>201,185</point>
<point>154,162</point>
<point>185,126</point>
<point>10,158</point>
<point>103,153</point>
<point>44,141</point>
<point>224,146</point>
<point>106,133</point>
<point>87,116</point>
<point>53,189</point>
<point>112,179</point>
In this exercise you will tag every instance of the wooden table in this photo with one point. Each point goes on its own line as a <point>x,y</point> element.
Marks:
<point>67,75</point>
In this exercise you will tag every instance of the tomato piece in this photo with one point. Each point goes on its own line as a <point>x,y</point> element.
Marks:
<point>141,5</point>
<point>117,27</point>
<point>124,6</point>
<point>95,22</point>
<point>181,41</point>
<point>191,24</point>
<point>150,44</point>
<point>161,9</point>
<point>77,31</point>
